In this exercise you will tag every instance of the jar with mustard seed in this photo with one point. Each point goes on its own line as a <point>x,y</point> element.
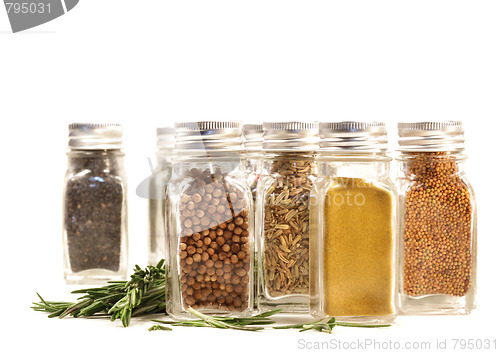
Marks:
<point>353,225</point>
<point>282,215</point>
<point>210,227</point>
<point>437,256</point>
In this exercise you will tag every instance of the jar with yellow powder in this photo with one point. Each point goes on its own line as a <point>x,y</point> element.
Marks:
<point>353,222</point>
<point>438,221</point>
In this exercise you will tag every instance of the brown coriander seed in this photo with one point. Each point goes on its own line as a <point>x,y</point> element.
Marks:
<point>220,240</point>
<point>196,257</point>
<point>208,230</point>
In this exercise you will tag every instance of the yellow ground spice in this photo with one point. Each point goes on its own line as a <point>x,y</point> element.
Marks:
<point>358,249</point>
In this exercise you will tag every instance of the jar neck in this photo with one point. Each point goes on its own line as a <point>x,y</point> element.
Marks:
<point>430,164</point>
<point>290,165</point>
<point>96,160</point>
<point>164,157</point>
<point>223,163</point>
<point>368,167</point>
<point>432,155</point>
<point>270,157</point>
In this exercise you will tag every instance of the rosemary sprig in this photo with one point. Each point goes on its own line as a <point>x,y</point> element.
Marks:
<point>244,324</point>
<point>143,294</point>
<point>322,326</point>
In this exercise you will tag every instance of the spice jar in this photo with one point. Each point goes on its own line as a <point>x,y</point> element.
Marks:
<point>95,205</point>
<point>353,222</point>
<point>210,224</point>
<point>438,221</point>
<point>282,215</point>
<point>252,137</point>
<point>157,191</point>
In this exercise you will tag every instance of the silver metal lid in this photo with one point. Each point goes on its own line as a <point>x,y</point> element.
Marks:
<point>353,137</point>
<point>165,138</point>
<point>90,136</point>
<point>214,136</point>
<point>290,136</point>
<point>430,136</point>
<point>253,135</point>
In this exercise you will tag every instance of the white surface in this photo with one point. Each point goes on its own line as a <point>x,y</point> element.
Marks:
<point>149,63</point>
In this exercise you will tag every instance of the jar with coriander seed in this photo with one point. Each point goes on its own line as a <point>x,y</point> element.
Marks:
<point>210,226</point>
<point>437,256</point>
<point>282,215</point>
<point>157,192</point>
<point>95,205</point>
<point>353,225</point>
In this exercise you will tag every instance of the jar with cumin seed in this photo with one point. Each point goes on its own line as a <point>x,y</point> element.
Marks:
<point>95,205</point>
<point>438,213</point>
<point>282,215</point>
<point>210,228</point>
<point>353,225</point>
<point>156,194</point>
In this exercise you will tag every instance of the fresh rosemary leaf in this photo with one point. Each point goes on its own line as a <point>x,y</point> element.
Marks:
<point>159,327</point>
<point>143,294</point>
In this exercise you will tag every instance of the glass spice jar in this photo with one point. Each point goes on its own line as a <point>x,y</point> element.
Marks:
<point>252,137</point>
<point>438,221</point>
<point>157,190</point>
<point>353,223</point>
<point>252,140</point>
<point>282,215</point>
<point>95,205</point>
<point>210,224</point>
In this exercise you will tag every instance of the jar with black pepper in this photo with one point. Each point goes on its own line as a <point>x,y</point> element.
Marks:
<point>282,215</point>
<point>95,205</point>
<point>437,273</point>
<point>210,226</point>
<point>157,194</point>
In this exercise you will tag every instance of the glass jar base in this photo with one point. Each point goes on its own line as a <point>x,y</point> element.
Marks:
<point>287,304</point>
<point>365,320</point>
<point>436,304</point>
<point>185,315</point>
<point>94,276</point>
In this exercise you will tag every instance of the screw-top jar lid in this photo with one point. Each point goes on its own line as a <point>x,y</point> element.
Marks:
<point>429,136</point>
<point>253,137</point>
<point>213,136</point>
<point>165,138</point>
<point>90,136</point>
<point>290,136</point>
<point>353,137</point>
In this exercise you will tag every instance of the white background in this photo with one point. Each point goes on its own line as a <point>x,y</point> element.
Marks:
<point>149,63</point>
